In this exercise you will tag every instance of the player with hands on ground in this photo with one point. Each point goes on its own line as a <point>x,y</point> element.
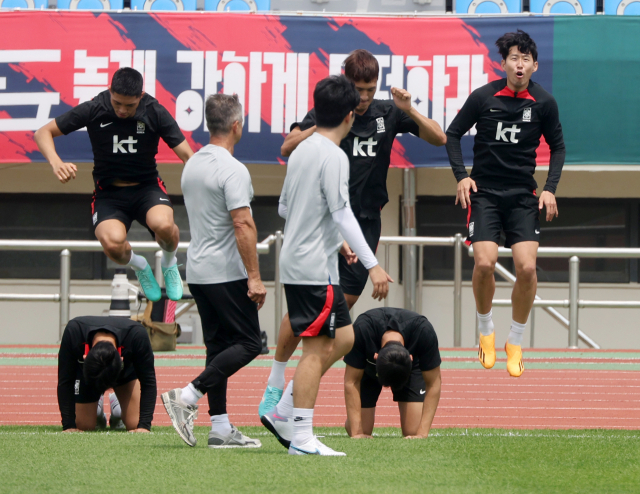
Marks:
<point>510,116</point>
<point>368,147</point>
<point>319,219</point>
<point>100,353</point>
<point>125,125</point>
<point>394,348</point>
<point>222,274</point>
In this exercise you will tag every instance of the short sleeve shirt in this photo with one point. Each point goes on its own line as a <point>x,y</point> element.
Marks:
<point>419,338</point>
<point>368,147</point>
<point>123,148</point>
<point>214,183</point>
<point>316,185</point>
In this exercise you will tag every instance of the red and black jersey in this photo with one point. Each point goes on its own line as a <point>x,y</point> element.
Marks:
<point>123,148</point>
<point>509,126</point>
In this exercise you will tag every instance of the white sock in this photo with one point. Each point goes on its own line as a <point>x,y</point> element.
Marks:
<point>485,323</point>
<point>302,426</point>
<point>168,258</point>
<point>221,424</point>
<point>276,378</point>
<point>101,406</point>
<point>515,335</point>
<point>190,395</point>
<point>285,405</point>
<point>116,411</point>
<point>137,263</point>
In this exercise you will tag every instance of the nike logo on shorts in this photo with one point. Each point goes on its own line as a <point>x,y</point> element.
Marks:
<point>537,232</point>
<point>163,199</point>
<point>493,110</point>
<point>423,391</point>
<point>104,125</point>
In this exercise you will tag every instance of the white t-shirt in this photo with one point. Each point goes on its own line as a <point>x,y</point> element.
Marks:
<point>214,183</point>
<point>316,185</point>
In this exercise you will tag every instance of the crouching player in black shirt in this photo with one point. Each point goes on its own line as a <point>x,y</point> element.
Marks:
<point>510,116</point>
<point>393,348</point>
<point>99,353</point>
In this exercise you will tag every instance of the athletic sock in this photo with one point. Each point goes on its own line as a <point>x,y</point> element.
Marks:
<point>190,395</point>
<point>515,335</point>
<point>302,426</point>
<point>276,378</point>
<point>485,323</point>
<point>137,263</point>
<point>221,424</point>
<point>100,412</point>
<point>284,408</point>
<point>116,411</point>
<point>168,258</point>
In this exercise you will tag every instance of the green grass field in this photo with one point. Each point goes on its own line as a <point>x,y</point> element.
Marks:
<point>41,459</point>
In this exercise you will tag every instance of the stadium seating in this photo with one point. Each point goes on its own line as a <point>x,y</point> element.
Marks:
<point>563,6</point>
<point>488,6</point>
<point>622,7</point>
<point>237,5</point>
<point>23,4</point>
<point>166,5</point>
<point>91,4</point>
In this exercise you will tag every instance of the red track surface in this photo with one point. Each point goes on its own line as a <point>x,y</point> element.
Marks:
<point>555,399</point>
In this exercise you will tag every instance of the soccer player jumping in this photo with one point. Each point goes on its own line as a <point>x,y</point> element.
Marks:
<point>510,116</point>
<point>125,126</point>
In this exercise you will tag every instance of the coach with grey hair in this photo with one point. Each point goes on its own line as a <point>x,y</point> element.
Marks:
<point>222,273</point>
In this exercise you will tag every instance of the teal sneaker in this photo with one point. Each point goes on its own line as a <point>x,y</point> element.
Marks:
<point>270,399</point>
<point>149,284</point>
<point>173,282</point>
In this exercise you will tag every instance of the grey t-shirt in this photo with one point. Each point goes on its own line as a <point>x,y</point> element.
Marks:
<point>214,183</point>
<point>316,185</point>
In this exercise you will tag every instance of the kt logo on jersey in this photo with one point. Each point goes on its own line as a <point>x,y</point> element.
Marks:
<point>501,134</point>
<point>358,147</point>
<point>118,146</point>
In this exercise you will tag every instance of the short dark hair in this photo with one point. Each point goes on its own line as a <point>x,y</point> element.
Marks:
<point>220,111</point>
<point>393,365</point>
<point>520,39</point>
<point>127,82</point>
<point>361,65</point>
<point>333,99</point>
<point>102,366</point>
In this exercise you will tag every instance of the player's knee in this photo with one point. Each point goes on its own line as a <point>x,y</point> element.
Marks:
<point>484,266</point>
<point>86,423</point>
<point>164,229</point>
<point>527,273</point>
<point>114,248</point>
<point>254,347</point>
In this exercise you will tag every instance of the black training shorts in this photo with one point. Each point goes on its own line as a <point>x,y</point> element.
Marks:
<point>316,310</point>
<point>514,211</point>
<point>126,204</point>
<point>413,392</point>
<point>85,393</point>
<point>353,278</point>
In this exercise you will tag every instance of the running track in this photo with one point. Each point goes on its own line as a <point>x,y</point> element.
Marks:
<point>559,390</point>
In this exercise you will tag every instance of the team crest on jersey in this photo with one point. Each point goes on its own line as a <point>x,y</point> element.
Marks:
<point>380,122</point>
<point>140,127</point>
<point>526,115</point>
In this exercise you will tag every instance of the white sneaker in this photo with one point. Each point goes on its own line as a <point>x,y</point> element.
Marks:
<point>314,447</point>
<point>281,427</point>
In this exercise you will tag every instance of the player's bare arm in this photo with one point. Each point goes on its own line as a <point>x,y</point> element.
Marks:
<point>183,151</point>
<point>548,200</point>
<point>433,383</point>
<point>352,379</point>
<point>463,194</point>
<point>430,130</point>
<point>44,140</point>
<point>295,137</point>
<point>246,238</point>
<point>380,280</point>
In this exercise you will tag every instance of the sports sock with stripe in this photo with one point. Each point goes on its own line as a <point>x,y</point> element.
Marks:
<point>276,378</point>
<point>190,395</point>
<point>137,263</point>
<point>284,408</point>
<point>516,333</point>
<point>116,410</point>
<point>220,424</point>
<point>168,258</point>
<point>485,323</point>
<point>302,426</point>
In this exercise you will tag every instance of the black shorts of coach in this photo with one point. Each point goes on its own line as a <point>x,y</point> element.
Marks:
<point>85,393</point>
<point>413,392</point>
<point>353,278</point>
<point>514,211</point>
<point>129,203</point>
<point>316,310</point>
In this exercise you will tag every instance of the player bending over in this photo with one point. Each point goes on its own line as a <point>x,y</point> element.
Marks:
<point>393,348</point>
<point>99,353</point>
<point>368,148</point>
<point>222,273</point>
<point>125,126</point>
<point>315,203</point>
<point>510,115</point>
